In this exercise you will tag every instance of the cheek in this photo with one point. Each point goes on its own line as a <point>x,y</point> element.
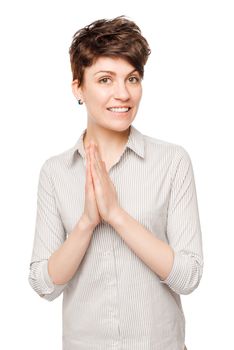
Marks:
<point>136,92</point>
<point>137,96</point>
<point>99,96</point>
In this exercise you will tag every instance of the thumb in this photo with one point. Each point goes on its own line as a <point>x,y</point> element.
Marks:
<point>88,170</point>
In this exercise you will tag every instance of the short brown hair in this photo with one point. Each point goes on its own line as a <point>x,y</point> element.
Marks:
<point>118,37</point>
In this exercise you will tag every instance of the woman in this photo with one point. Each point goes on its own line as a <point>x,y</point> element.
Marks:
<point>117,228</point>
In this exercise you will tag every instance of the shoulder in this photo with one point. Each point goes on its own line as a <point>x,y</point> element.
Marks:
<point>167,155</point>
<point>173,150</point>
<point>58,163</point>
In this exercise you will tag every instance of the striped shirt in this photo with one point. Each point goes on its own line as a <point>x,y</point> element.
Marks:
<point>114,300</point>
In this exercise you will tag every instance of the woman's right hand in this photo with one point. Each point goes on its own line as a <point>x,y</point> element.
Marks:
<point>91,212</point>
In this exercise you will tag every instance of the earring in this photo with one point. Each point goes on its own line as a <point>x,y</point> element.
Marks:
<point>80,102</point>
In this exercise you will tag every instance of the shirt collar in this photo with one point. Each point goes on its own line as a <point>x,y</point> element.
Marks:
<point>135,142</point>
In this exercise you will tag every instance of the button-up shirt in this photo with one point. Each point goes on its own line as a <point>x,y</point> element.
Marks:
<point>114,300</point>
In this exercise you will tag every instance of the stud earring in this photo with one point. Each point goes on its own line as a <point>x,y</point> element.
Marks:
<point>80,102</point>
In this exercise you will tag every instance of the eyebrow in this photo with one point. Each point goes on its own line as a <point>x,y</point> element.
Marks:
<point>113,73</point>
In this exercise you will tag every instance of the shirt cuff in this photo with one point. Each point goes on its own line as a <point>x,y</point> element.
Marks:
<point>49,286</point>
<point>175,279</point>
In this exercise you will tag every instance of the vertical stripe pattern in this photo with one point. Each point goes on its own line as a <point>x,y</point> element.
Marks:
<point>115,301</point>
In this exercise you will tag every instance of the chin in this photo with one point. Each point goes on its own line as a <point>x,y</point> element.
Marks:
<point>119,125</point>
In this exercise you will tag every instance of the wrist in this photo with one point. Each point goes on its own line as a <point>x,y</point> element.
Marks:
<point>117,216</point>
<point>85,224</point>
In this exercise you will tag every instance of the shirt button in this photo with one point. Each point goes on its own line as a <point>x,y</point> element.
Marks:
<point>115,344</point>
<point>113,312</point>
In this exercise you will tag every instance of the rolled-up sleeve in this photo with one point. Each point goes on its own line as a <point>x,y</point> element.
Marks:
<point>183,228</point>
<point>48,237</point>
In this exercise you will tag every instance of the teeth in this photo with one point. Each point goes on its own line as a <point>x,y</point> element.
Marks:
<point>119,109</point>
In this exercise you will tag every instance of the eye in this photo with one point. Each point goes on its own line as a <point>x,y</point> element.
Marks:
<point>136,79</point>
<point>103,80</point>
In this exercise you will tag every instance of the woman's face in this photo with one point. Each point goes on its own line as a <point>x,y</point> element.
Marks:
<point>110,83</point>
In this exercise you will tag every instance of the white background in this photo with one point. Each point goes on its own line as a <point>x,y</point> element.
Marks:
<point>188,93</point>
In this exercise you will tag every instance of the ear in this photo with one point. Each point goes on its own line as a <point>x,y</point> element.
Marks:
<point>77,91</point>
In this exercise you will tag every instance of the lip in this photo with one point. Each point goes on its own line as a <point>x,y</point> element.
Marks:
<point>119,107</point>
<point>120,114</point>
<point>129,108</point>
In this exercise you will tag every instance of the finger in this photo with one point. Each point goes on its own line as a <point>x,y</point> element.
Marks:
<point>97,159</point>
<point>88,166</point>
<point>102,165</point>
<point>98,156</point>
<point>88,171</point>
<point>100,162</point>
<point>93,163</point>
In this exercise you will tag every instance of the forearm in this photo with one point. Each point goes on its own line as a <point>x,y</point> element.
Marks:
<point>155,253</point>
<point>65,261</point>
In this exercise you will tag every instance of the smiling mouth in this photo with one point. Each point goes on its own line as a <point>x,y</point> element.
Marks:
<point>119,110</point>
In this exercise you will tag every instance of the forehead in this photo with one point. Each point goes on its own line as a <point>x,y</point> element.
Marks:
<point>116,65</point>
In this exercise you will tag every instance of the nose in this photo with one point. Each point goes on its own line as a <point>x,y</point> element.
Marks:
<point>121,92</point>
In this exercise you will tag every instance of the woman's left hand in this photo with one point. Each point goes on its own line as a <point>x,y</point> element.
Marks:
<point>105,192</point>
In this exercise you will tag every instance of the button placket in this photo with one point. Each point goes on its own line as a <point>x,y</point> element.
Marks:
<point>112,296</point>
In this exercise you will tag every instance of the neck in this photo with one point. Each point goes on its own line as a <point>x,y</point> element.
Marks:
<point>109,142</point>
